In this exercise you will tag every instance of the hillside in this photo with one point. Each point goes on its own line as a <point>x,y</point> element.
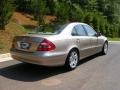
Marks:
<point>23,19</point>
<point>20,23</point>
<point>14,28</point>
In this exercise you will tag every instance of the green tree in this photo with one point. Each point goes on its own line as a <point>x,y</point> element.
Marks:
<point>92,5</point>
<point>88,18</point>
<point>96,22</point>
<point>77,13</point>
<point>102,25</point>
<point>62,11</point>
<point>119,30</point>
<point>23,5</point>
<point>103,15</point>
<point>39,10</point>
<point>6,10</point>
<point>51,6</point>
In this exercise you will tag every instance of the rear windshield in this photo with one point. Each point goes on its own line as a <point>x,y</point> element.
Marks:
<point>49,29</point>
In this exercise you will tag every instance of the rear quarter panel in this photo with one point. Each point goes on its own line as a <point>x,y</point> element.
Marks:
<point>63,44</point>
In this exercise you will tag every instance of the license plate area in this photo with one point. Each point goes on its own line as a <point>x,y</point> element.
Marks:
<point>24,45</point>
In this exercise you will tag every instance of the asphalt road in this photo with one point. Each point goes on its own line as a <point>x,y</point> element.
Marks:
<point>93,73</point>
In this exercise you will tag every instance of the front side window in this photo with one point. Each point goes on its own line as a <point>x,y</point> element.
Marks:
<point>78,30</point>
<point>90,31</point>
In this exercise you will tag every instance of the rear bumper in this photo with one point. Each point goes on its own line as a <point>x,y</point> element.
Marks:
<point>40,58</point>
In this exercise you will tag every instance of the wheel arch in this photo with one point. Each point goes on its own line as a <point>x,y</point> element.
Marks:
<point>66,61</point>
<point>73,48</point>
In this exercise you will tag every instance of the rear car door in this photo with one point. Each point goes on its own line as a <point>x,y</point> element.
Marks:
<point>82,40</point>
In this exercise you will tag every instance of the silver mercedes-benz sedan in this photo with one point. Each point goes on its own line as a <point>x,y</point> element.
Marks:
<point>65,45</point>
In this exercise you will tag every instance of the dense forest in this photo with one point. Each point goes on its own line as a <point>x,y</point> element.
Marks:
<point>103,15</point>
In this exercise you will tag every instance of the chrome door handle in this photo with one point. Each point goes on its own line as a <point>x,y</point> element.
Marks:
<point>78,41</point>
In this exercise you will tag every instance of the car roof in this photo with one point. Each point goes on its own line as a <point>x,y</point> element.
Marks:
<point>70,26</point>
<point>75,23</point>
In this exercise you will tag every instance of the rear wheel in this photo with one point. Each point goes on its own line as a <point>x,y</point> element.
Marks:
<point>105,48</point>
<point>72,59</point>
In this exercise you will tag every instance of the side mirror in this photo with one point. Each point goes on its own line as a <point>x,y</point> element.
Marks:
<point>98,34</point>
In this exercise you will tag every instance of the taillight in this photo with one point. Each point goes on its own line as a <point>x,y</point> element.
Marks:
<point>46,45</point>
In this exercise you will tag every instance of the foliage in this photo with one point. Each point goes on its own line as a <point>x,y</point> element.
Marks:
<point>61,11</point>
<point>6,10</point>
<point>39,10</point>
<point>103,15</point>
<point>23,5</point>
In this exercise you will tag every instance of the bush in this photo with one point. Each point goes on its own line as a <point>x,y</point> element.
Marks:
<point>76,13</point>
<point>6,10</point>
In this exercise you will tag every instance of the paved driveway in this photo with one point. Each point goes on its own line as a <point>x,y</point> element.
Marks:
<point>94,73</point>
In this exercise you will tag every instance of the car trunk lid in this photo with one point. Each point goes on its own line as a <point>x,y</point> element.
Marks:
<point>28,43</point>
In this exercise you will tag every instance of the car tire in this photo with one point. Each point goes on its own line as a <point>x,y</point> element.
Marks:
<point>72,60</point>
<point>105,48</point>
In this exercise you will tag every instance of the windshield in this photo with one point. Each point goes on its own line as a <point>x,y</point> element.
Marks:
<point>48,29</point>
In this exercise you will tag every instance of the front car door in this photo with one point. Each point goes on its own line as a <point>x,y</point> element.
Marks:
<point>93,39</point>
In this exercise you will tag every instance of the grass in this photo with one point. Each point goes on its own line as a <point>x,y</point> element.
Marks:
<point>113,39</point>
<point>6,36</point>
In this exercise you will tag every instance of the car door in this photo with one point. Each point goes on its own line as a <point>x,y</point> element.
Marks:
<point>82,40</point>
<point>93,39</point>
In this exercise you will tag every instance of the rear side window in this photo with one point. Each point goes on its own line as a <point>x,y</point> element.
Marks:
<point>49,29</point>
<point>78,30</point>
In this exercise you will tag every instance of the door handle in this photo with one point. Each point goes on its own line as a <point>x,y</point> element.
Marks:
<point>78,41</point>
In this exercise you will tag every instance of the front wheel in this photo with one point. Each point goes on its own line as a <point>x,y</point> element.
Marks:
<point>105,48</point>
<point>72,60</point>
